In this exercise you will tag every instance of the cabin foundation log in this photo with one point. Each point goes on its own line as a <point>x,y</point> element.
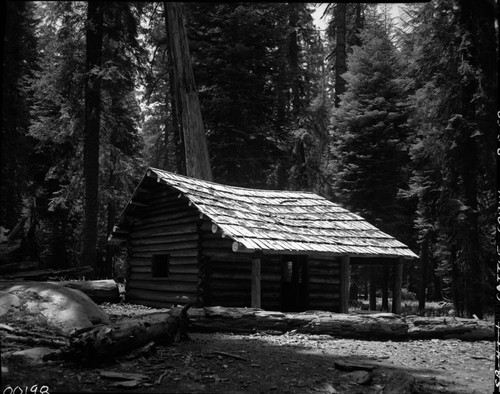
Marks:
<point>396,291</point>
<point>344,284</point>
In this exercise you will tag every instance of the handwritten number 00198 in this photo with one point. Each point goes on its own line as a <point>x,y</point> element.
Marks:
<point>26,390</point>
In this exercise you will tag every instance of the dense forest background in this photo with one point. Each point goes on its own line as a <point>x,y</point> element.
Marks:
<point>394,121</point>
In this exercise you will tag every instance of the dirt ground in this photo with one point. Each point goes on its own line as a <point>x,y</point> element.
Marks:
<point>287,363</point>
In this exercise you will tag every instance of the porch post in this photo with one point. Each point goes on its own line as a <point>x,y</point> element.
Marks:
<point>398,283</point>
<point>255,282</point>
<point>373,290</point>
<point>344,284</point>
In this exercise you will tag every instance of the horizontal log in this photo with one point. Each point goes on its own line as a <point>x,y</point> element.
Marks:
<point>161,296</point>
<point>18,266</point>
<point>163,230</point>
<point>241,285</point>
<point>174,253</point>
<point>223,244</point>
<point>167,286</point>
<point>154,304</point>
<point>146,261</point>
<point>174,269</point>
<point>43,274</point>
<point>172,206</point>
<point>230,276</point>
<point>166,220</point>
<point>323,288</point>
<point>161,239</point>
<point>224,254</point>
<point>222,319</point>
<point>324,280</point>
<point>188,245</point>
<point>107,342</point>
<point>450,328</point>
<point>173,276</point>
<point>98,290</point>
<point>317,296</point>
<point>324,270</point>
<point>189,226</point>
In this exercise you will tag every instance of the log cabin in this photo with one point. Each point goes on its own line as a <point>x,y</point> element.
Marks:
<point>194,241</point>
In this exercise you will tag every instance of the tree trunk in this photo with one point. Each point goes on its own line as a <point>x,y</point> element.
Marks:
<point>423,275</point>
<point>195,142</point>
<point>353,325</point>
<point>340,51</point>
<point>179,150</point>
<point>94,36</point>
<point>108,341</point>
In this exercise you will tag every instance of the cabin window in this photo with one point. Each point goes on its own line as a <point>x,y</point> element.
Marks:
<point>160,266</point>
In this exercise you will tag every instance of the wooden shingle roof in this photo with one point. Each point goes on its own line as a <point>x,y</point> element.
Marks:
<point>285,222</point>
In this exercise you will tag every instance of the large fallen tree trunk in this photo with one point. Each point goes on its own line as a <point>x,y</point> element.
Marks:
<point>48,273</point>
<point>108,341</point>
<point>450,327</point>
<point>376,326</point>
<point>361,326</point>
<point>98,290</point>
<point>13,268</point>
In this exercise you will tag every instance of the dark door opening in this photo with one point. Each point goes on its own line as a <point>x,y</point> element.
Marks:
<point>294,278</point>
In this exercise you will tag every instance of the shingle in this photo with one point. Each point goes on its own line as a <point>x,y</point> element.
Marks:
<point>271,220</point>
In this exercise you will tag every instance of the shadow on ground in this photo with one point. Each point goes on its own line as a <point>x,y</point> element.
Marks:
<point>258,363</point>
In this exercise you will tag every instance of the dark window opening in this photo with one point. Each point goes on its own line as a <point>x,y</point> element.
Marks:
<point>161,266</point>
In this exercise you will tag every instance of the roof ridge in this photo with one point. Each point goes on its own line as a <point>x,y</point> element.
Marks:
<point>234,187</point>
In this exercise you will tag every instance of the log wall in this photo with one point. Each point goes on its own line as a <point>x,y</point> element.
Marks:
<point>229,274</point>
<point>203,269</point>
<point>166,225</point>
<point>324,284</point>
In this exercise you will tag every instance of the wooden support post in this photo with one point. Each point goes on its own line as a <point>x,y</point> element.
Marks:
<point>344,284</point>
<point>255,282</point>
<point>373,292</point>
<point>385,288</point>
<point>398,283</point>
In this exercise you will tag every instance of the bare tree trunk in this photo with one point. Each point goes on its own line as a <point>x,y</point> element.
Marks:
<point>94,35</point>
<point>195,142</point>
<point>423,276</point>
<point>340,52</point>
<point>179,150</point>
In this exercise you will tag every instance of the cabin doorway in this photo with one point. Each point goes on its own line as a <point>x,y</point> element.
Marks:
<point>294,278</point>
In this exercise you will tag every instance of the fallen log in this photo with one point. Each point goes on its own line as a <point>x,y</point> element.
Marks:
<point>373,326</point>
<point>14,268</point>
<point>370,326</point>
<point>16,230</point>
<point>108,341</point>
<point>450,328</point>
<point>48,273</point>
<point>98,290</point>
<point>243,320</point>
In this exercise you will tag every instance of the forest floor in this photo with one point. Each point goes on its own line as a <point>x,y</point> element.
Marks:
<point>270,363</point>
